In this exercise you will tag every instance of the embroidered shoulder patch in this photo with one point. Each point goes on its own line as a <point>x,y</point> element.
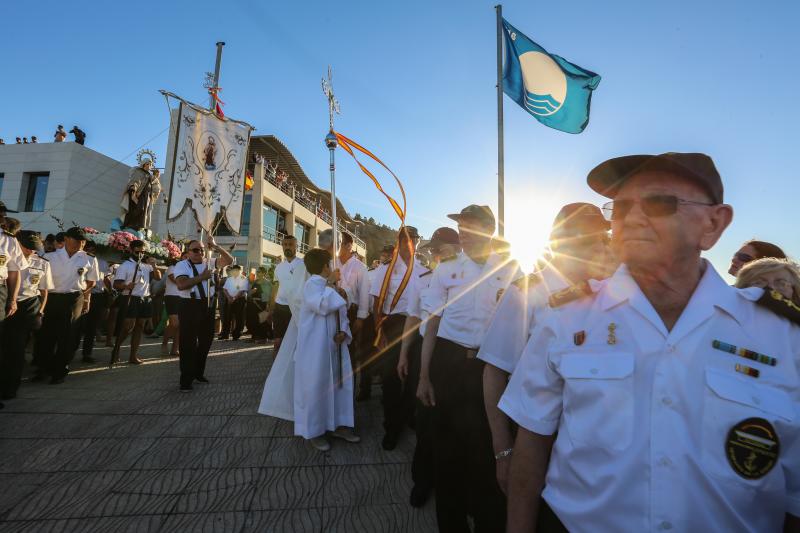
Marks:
<point>570,294</point>
<point>781,306</point>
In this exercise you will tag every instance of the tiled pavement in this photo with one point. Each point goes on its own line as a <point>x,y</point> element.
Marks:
<point>122,451</point>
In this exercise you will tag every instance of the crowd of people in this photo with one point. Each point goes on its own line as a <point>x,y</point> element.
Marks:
<point>59,136</point>
<point>623,385</point>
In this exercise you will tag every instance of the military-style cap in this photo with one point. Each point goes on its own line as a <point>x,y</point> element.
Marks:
<point>443,235</point>
<point>581,218</point>
<point>29,239</point>
<point>4,209</point>
<point>481,213</point>
<point>76,233</point>
<point>607,177</point>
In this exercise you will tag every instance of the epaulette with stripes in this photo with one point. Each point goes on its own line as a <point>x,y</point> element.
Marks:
<point>428,273</point>
<point>531,280</point>
<point>570,294</point>
<point>780,305</point>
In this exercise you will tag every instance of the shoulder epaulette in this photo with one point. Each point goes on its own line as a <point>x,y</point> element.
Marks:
<point>531,280</point>
<point>780,305</point>
<point>427,273</point>
<point>6,232</point>
<point>570,294</point>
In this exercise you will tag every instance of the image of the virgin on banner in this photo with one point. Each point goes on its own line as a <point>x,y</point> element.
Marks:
<point>208,167</point>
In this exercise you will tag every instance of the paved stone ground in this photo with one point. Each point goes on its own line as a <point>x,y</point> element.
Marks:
<point>122,450</point>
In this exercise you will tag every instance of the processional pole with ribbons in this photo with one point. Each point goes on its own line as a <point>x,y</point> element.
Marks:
<point>332,142</point>
<point>501,201</point>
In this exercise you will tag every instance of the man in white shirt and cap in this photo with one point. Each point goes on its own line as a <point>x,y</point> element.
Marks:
<point>74,274</point>
<point>578,251</point>
<point>235,292</point>
<point>660,399</point>
<point>461,299</point>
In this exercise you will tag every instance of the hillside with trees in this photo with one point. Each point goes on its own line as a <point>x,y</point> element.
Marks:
<point>375,235</point>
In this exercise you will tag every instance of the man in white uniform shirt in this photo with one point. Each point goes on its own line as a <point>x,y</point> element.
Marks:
<point>461,299</point>
<point>578,252</point>
<point>195,314</point>
<point>291,276</point>
<point>661,399</point>
<point>235,288</point>
<point>31,300</point>
<point>132,279</point>
<point>74,274</point>
<point>390,316</point>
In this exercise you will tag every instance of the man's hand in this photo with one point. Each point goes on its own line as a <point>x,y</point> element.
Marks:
<point>501,471</point>
<point>402,367</point>
<point>11,308</point>
<point>210,242</point>
<point>340,337</point>
<point>425,392</point>
<point>334,277</point>
<point>206,274</point>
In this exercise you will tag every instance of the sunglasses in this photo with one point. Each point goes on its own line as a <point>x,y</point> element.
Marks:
<point>197,250</point>
<point>743,257</point>
<point>659,205</point>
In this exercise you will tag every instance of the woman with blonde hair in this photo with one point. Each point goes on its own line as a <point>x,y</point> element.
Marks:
<point>781,275</point>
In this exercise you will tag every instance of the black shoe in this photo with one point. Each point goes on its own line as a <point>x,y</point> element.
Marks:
<point>419,495</point>
<point>88,359</point>
<point>56,381</point>
<point>201,379</point>
<point>390,441</point>
<point>186,388</point>
<point>222,338</point>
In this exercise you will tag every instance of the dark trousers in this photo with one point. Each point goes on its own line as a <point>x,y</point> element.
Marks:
<point>233,316</point>
<point>196,324</point>
<point>466,484</point>
<point>90,321</point>
<point>424,461</point>
<point>259,330</point>
<point>18,328</point>
<point>363,355</point>
<point>396,409</point>
<point>58,333</point>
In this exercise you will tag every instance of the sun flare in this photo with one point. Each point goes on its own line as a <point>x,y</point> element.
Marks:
<point>529,216</point>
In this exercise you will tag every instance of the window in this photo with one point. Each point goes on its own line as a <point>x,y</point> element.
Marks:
<point>274,224</point>
<point>2,178</point>
<point>301,233</point>
<point>37,191</point>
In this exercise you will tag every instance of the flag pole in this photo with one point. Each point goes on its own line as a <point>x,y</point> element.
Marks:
<point>501,208</point>
<point>212,105</point>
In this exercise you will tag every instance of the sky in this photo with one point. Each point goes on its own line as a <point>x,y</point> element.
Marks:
<point>416,84</point>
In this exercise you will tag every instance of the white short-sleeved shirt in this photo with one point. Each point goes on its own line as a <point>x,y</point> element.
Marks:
<point>102,269</point>
<point>515,316</point>
<point>171,289</point>
<point>236,284</point>
<point>465,294</point>
<point>35,278</point>
<point>125,273</point>
<point>184,268</point>
<point>11,258</point>
<point>70,274</point>
<point>658,430</point>
<point>291,277</point>
<point>355,282</point>
<point>395,280</point>
<point>416,289</point>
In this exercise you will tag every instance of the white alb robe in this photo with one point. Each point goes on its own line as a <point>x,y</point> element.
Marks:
<point>320,403</point>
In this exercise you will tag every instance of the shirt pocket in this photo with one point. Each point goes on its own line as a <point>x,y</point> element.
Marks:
<point>729,401</point>
<point>598,399</point>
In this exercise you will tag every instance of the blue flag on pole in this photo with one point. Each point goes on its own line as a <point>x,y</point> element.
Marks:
<point>556,92</point>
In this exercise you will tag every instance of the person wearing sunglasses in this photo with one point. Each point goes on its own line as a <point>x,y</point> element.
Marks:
<point>751,251</point>
<point>661,398</point>
<point>195,314</point>
<point>578,247</point>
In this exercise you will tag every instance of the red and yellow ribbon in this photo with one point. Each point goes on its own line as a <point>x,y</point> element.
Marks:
<point>350,146</point>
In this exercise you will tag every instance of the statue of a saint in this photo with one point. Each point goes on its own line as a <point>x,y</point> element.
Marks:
<point>140,196</point>
<point>209,152</point>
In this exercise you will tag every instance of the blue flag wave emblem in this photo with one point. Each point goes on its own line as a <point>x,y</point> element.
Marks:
<point>556,92</point>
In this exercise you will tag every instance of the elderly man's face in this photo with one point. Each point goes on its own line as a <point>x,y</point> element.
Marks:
<point>642,240</point>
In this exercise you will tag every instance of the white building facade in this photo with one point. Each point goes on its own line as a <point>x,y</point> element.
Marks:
<point>66,180</point>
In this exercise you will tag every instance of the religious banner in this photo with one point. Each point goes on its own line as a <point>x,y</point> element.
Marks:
<point>207,167</point>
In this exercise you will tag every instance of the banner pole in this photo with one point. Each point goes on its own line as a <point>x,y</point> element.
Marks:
<point>501,208</point>
<point>212,105</point>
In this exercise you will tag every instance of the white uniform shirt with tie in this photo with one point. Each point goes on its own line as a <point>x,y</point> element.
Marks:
<point>653,426</point>
<point>465,294</point>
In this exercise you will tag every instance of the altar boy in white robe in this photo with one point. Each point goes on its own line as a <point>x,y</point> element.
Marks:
<point>323,380</point>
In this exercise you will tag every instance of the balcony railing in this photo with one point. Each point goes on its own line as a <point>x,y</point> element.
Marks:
<point>272,235</point>
<point>292,191</point>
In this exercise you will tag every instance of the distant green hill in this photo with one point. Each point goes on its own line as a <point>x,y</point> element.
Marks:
<point>375,235</point>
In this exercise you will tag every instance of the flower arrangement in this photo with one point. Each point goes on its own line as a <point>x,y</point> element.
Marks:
<point>121,240</point>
